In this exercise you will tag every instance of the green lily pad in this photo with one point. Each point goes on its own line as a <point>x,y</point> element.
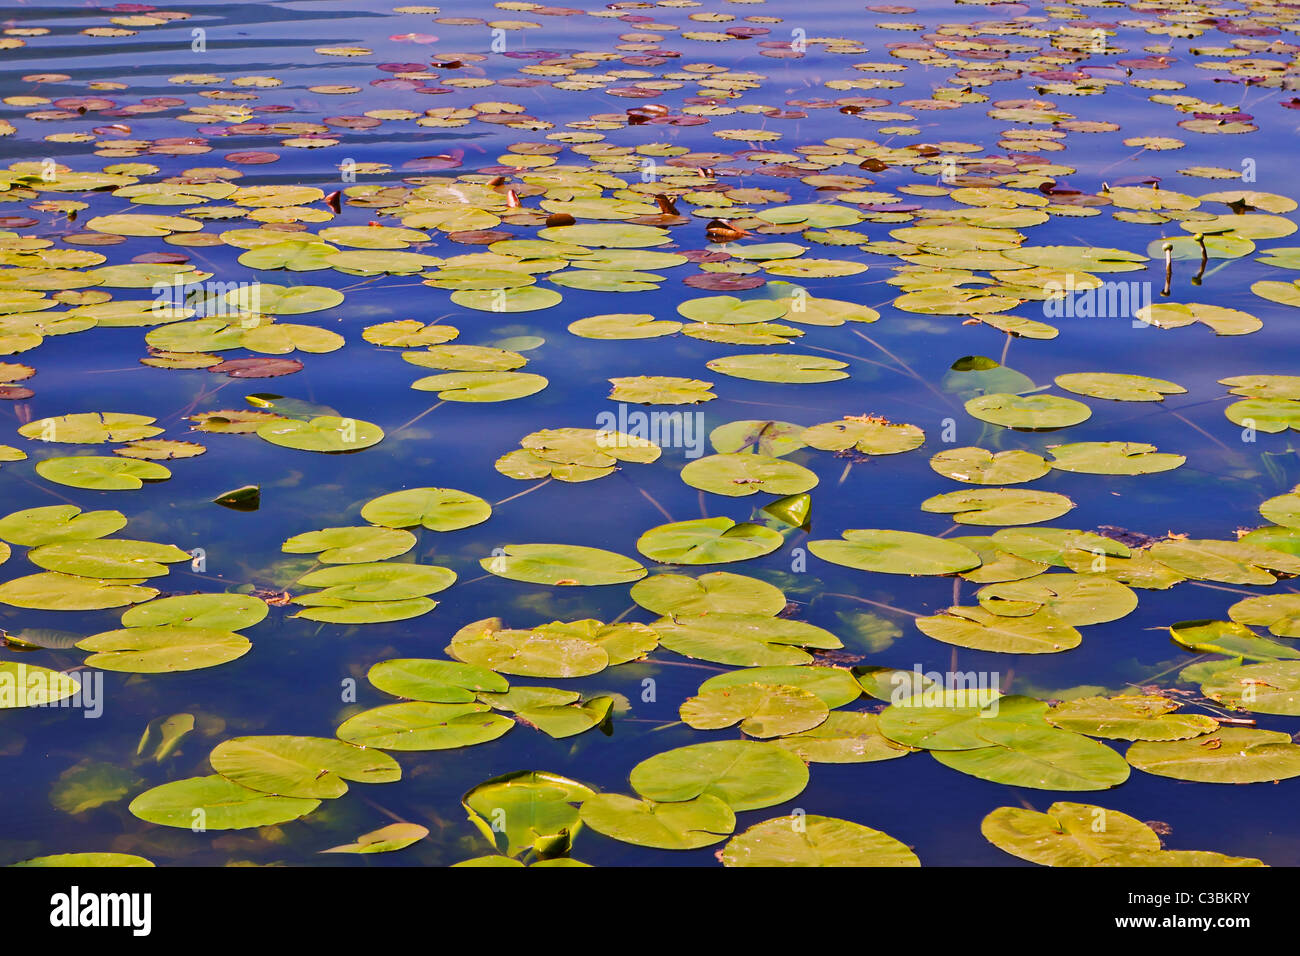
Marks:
<point>660,390</point>
<point>1230,755</point>
<point>375,581</point>
<point>1040,758</point>
<point>562,564</point>
<point>1280,613</point>
<point>1041,632</point>
<point>1119,388</point>
<point>313,767</point>
<point>152,649</point>
<point>810,840</point>
<point>623,326</point>
<point>439,682</point>
<point>37,526</point>
<point>866,436</point>
<point>721,591</point>
<point>271,299</point>
<point>1068,834</point>
<point>743,640</point>
<point>1075,599</point>
<point>896,552</point>
<point>91,428</point>
<point>1231,638</point>
<point>978,466</point>
<point>51,591</point>
<point>438,509</point>
<point>395,836</point>
<point>481,386</point>
<point>762,710</point>
<point>1272,687</point>
<point>419,725</point>
<point>780,368</point>
<point>707,541</point>
<point>738,475</point>
<point>324,433</point>
<point>1129,718</point>
<point>216,803</point>
<point>107,558</point>
<point>27,685</point>
<point>744,774</point>
<point>223,612</point>
<point>833,685</point>
<point>527,810</point>
<point>844,738</point>
<point>999,506</point>
<point>101,473</point>
<point>351,545</point>
<point>1228,562</point>
<point>681,825</point>
<point>1113,458</point>
<point>1028,412</point>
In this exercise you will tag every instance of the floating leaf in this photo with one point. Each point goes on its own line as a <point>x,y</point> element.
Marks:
<point>745,775</point>
<point>300,766</point>
<point>810,840</point>
<point>218,803</point>
<point>1230,755</point>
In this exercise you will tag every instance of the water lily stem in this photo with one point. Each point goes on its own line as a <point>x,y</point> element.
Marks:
<point>526,491</point>
<point>419,416</point>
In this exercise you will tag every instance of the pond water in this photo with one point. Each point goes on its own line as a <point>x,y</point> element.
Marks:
<point>991,128</point>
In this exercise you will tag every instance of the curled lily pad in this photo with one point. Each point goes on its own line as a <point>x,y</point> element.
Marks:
<point>527,810</point>
<point>1231,638</point>
<point>395,836</point>
<point>216,803</point>
<point>83,860</point>
<point>809,840</point>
